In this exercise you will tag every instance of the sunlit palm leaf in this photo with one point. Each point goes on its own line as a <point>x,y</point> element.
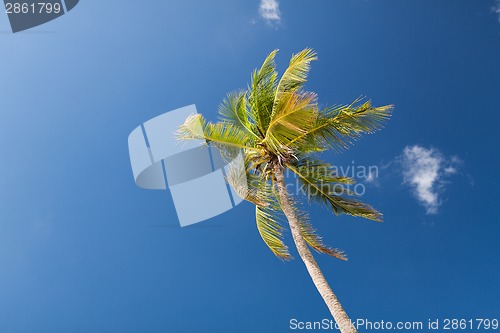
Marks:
<point>337,127</point>
<point>271,231</point>
<point>295,114</point>
<point>261,93</point>
<point>234,110</point>
<point>295,75</point>
<point>353,120</point>
<point>222,134</point>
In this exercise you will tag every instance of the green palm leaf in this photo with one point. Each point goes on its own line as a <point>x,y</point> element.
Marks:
<point>271,231</point>
<point>295,114</point>
<point>224,135</point>
<point>295,75</point>
<point>314,240</point>
<point>261,93</point>
<point>361,119</point>
<point>324,187</point>
<point>249,186</point>
<point>234,110</point>
<point>337,127</point>
<point>320,170</point>
<point>255,189</point>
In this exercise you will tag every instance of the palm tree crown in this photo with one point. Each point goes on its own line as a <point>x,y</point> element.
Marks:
<point>278,125</point>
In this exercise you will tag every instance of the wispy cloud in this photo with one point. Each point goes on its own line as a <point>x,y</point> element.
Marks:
<point>372,176</point>
<point>496,9</point>
<point>424,171</point>
<point>269,10</point>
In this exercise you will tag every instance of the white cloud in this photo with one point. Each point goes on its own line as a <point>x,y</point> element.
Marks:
<point>372,177</point>
<point>450,170</point>
<point>269,10</point>
<point>423,170</point>
<point>496,9</point>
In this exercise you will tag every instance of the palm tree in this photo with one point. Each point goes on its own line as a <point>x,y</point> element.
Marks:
<point>279,126</point>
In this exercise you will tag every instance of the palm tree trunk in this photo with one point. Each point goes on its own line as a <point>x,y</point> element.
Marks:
<point>336,309</point>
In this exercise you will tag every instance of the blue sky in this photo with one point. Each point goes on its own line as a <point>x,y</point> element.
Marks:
<point>83,249</point>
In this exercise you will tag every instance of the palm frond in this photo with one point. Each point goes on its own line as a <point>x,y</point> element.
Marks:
<point>310,235</point>
<point>234,110</point>
<point>314,240</point>
<point>324,187</point>
<point>261,93</point>
<point>321,135</point>
<point>255,189</point>
<point>271,231</point>
<point>295,114</point>
<point>295,75</point>
<point>317,169</point>
<point>249,186</point>
<point>356,119</point>
<point>337,127</point>
<point>223,134</point>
